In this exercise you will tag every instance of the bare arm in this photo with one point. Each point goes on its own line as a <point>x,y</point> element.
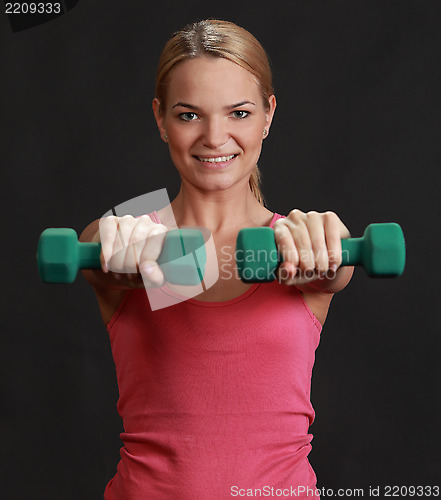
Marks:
<point>122,264</point>
<point>311,247</point>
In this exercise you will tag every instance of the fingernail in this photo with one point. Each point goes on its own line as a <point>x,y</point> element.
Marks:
<point>309,273</point>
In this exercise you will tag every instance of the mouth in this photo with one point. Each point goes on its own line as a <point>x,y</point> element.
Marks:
<point>216,161</point>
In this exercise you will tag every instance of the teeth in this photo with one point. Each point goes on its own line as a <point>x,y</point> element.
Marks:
<point>217,160</point>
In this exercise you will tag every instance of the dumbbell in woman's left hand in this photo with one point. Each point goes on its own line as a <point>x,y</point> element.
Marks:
<point>310,245</point>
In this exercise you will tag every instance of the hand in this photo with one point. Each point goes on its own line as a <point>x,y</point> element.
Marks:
<point>130,246</point>
<point>310,245</point>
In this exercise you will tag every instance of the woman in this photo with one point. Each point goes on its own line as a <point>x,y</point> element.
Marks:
<point>214,391</point>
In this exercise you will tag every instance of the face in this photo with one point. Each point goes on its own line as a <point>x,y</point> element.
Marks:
<point>214,122</point>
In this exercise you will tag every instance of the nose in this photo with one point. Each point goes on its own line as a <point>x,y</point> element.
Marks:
<point>215,133</point>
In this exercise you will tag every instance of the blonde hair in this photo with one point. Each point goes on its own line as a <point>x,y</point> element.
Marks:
<point>216,38</point>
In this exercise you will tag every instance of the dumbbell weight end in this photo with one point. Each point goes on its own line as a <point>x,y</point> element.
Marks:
<point>381,250</point>
<point>59,256</point>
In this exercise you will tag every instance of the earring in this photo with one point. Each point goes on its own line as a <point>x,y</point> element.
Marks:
<point>165,137</point>
<point>265,132</point>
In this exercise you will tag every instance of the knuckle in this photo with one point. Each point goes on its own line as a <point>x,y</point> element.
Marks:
<point>145,218</point>
<point>144,221</point>
<point>280,229</point>
<point>313,213</point>
<point>296,214</point>
<point>157,230</point>
<point>331,216</point>
<point>127,221</point>
<point>282,233</point>
<point>107,222</point>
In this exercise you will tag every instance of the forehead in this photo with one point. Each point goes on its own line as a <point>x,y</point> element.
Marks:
<point>205,81</point>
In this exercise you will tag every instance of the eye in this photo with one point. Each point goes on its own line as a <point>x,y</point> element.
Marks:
<point>188,116</point>
<point>240,113</point>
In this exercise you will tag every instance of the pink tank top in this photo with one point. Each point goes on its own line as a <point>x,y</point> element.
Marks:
<point>214,396</point>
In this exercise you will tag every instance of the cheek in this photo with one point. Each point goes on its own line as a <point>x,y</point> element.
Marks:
<point>178,139</point>
<point>253,133</point>
<point>252,141</point>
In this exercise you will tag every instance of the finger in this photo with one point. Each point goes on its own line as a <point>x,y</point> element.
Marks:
<point>287,249</point>
<point>334,231</point>
<point>104,267</point>
<point>120,246</point>
<point>302,242</point>
<point>315,225</point>
<point>286,272</point>
<point>148,266</point>
<point>136,243</point>
<point>108,227</point>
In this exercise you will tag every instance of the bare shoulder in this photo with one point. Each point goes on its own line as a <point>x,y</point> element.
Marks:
<point>319,303</point>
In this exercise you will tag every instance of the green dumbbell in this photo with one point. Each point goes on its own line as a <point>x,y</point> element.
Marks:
<point>381,251</point>
<point>60,255</point>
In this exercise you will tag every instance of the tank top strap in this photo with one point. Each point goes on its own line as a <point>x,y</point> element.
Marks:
<point>155,217</point>
<point>276,216</point>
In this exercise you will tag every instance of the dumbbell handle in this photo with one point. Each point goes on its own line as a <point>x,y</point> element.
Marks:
<point>89,255</point>
<point>351,251</point>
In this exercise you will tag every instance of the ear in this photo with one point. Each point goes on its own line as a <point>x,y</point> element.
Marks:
<point>270,113</point>
<point>159,117</point>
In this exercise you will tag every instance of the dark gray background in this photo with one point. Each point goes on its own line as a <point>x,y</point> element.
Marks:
<point>356,131</point>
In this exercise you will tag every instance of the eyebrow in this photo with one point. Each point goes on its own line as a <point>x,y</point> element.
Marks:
<point>190,106</point>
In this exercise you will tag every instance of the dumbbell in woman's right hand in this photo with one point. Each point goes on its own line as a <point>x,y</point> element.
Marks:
<point>131,246</point>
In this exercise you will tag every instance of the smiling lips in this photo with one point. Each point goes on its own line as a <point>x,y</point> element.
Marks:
<point>216,159</point>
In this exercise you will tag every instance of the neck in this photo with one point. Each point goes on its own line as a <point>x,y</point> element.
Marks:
<point>220,211</point>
